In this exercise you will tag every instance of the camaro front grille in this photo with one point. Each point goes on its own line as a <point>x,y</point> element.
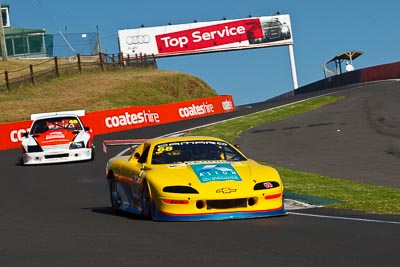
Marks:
<point>64,155</point>
<point>227,203</point>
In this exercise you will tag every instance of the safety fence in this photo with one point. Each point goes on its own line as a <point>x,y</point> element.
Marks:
<point>123,119</point>
<point>47,69</point>
<point>370,74</point>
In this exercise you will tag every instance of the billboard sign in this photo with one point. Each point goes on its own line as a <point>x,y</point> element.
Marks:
<point>202,37</point>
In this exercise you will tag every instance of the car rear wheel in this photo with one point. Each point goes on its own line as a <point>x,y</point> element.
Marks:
<point>114,195</point>
<point>146,202</point>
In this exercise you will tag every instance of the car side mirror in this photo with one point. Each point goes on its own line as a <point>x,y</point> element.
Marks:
<point>136,155</point>
<point>87,129</point>
<point>25,134</point>
<point>144,167</point>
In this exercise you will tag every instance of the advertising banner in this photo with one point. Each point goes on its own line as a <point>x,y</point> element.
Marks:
<point>202,37</point>
<point>122,119</point>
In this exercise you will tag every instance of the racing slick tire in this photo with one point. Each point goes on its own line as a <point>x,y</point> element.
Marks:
<point>114,195</point>
<point>146,202</point>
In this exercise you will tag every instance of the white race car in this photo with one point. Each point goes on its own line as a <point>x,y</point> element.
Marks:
<point>57,137</point>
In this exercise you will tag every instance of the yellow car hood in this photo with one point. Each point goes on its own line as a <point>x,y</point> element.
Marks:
<point>213,176</point>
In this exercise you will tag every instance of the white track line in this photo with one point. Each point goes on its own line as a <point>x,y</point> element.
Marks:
<point>343,218</point>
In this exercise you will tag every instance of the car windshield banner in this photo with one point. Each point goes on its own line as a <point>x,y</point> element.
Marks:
<point>202,37</point>
<point>215,173</point>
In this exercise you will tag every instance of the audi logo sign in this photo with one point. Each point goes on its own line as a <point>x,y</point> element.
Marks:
<point>137,39</point>
<point>202,37</point>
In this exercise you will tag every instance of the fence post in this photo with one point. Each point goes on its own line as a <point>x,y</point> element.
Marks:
<point>154,62</point>
<point>121,59</point>
<point>115,59</point>
<point>56,67</point>
<point>32,76</point>
<point>101,61</point>
<point>7,80</point>
<point>79,63</point>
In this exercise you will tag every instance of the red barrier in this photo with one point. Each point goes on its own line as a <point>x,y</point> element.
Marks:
<point>374,73</point>
<point>381,72</point>
<point>122,119</point>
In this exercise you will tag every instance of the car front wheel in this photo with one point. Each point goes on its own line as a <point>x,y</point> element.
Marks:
<point>146,202</point>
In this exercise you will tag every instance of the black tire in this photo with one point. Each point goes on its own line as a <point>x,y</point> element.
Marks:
<point>114,195</point>
<point>146,202</point>
<point>21,162</point>
<point>93,154</point>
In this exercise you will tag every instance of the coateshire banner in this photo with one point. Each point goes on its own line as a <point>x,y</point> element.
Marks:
<point>122,119</point>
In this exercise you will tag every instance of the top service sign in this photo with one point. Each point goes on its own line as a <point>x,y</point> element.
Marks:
<point>202,37</point>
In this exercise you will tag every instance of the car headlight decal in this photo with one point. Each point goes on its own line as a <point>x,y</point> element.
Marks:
<point>35,148</point>
<point>266,185</point>
<point>180,189</point>
<point>76,145</point>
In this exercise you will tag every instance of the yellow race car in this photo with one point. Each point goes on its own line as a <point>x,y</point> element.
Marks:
<point>191,178</point>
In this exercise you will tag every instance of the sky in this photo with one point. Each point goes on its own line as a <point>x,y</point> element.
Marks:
<point>321,30</point>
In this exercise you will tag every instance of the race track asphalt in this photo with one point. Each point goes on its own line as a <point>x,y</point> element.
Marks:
<point>60,214</point>
<point>357,138</point>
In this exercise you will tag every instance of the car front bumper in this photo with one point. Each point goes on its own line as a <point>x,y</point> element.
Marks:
<point>57,156</point>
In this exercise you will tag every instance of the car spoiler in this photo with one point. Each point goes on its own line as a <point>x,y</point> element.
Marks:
<point>127,142</point>
<point>79,113</point>
<point>135,142</point>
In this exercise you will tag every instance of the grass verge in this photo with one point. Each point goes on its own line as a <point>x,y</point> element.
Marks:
<point>101,91</point>
<point>348,194</point>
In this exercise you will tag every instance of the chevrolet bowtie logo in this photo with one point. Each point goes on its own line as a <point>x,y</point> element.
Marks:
<point>226,190</point>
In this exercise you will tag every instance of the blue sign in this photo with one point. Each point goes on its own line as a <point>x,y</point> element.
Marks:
<point>215,173</point>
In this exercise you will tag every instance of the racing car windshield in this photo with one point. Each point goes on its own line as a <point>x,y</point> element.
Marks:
<point>197,150</point>
<point>58,123</point>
